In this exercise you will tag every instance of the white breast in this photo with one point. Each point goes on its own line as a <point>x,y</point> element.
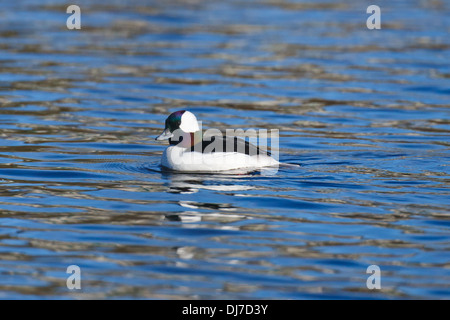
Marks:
<point>181,159</point>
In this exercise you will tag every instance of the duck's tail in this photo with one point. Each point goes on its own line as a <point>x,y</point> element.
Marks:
<point>290,165</point>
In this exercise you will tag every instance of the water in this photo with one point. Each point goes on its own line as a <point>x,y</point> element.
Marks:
<point>366,113</point>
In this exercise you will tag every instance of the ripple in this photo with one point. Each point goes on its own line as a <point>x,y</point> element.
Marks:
<point>362,113</point>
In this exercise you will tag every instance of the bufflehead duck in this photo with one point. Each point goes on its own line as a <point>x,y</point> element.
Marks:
<point>190,151</point>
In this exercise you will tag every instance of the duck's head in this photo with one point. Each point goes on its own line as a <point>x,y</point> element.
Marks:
<point>180,120</point>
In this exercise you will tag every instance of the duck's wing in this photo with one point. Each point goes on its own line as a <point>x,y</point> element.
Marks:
<point>228,144</point>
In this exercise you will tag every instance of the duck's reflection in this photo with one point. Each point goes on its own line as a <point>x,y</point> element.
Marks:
<point>188,183</point>
<point>195,210</point>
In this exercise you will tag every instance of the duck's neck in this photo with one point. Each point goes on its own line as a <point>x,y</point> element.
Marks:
<point>186,139</point>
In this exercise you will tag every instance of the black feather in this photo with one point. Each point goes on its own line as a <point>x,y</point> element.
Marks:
<point>227,144</point>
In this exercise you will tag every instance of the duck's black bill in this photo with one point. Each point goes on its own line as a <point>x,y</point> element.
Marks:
<point>166,134</point>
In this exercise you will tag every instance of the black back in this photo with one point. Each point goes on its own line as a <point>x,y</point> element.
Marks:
<point>227,144</point>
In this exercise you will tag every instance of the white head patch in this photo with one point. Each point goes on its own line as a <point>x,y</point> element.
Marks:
<point>189,122</point>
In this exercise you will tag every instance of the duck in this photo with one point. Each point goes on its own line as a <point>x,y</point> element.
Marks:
<point>190,150</point>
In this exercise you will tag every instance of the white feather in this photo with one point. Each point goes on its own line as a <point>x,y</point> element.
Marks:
<point>182,159</point>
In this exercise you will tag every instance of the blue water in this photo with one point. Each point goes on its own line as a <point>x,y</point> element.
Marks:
<point>365,112</point>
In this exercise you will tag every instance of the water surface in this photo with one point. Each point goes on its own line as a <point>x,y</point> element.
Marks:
<point>366,113</point>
